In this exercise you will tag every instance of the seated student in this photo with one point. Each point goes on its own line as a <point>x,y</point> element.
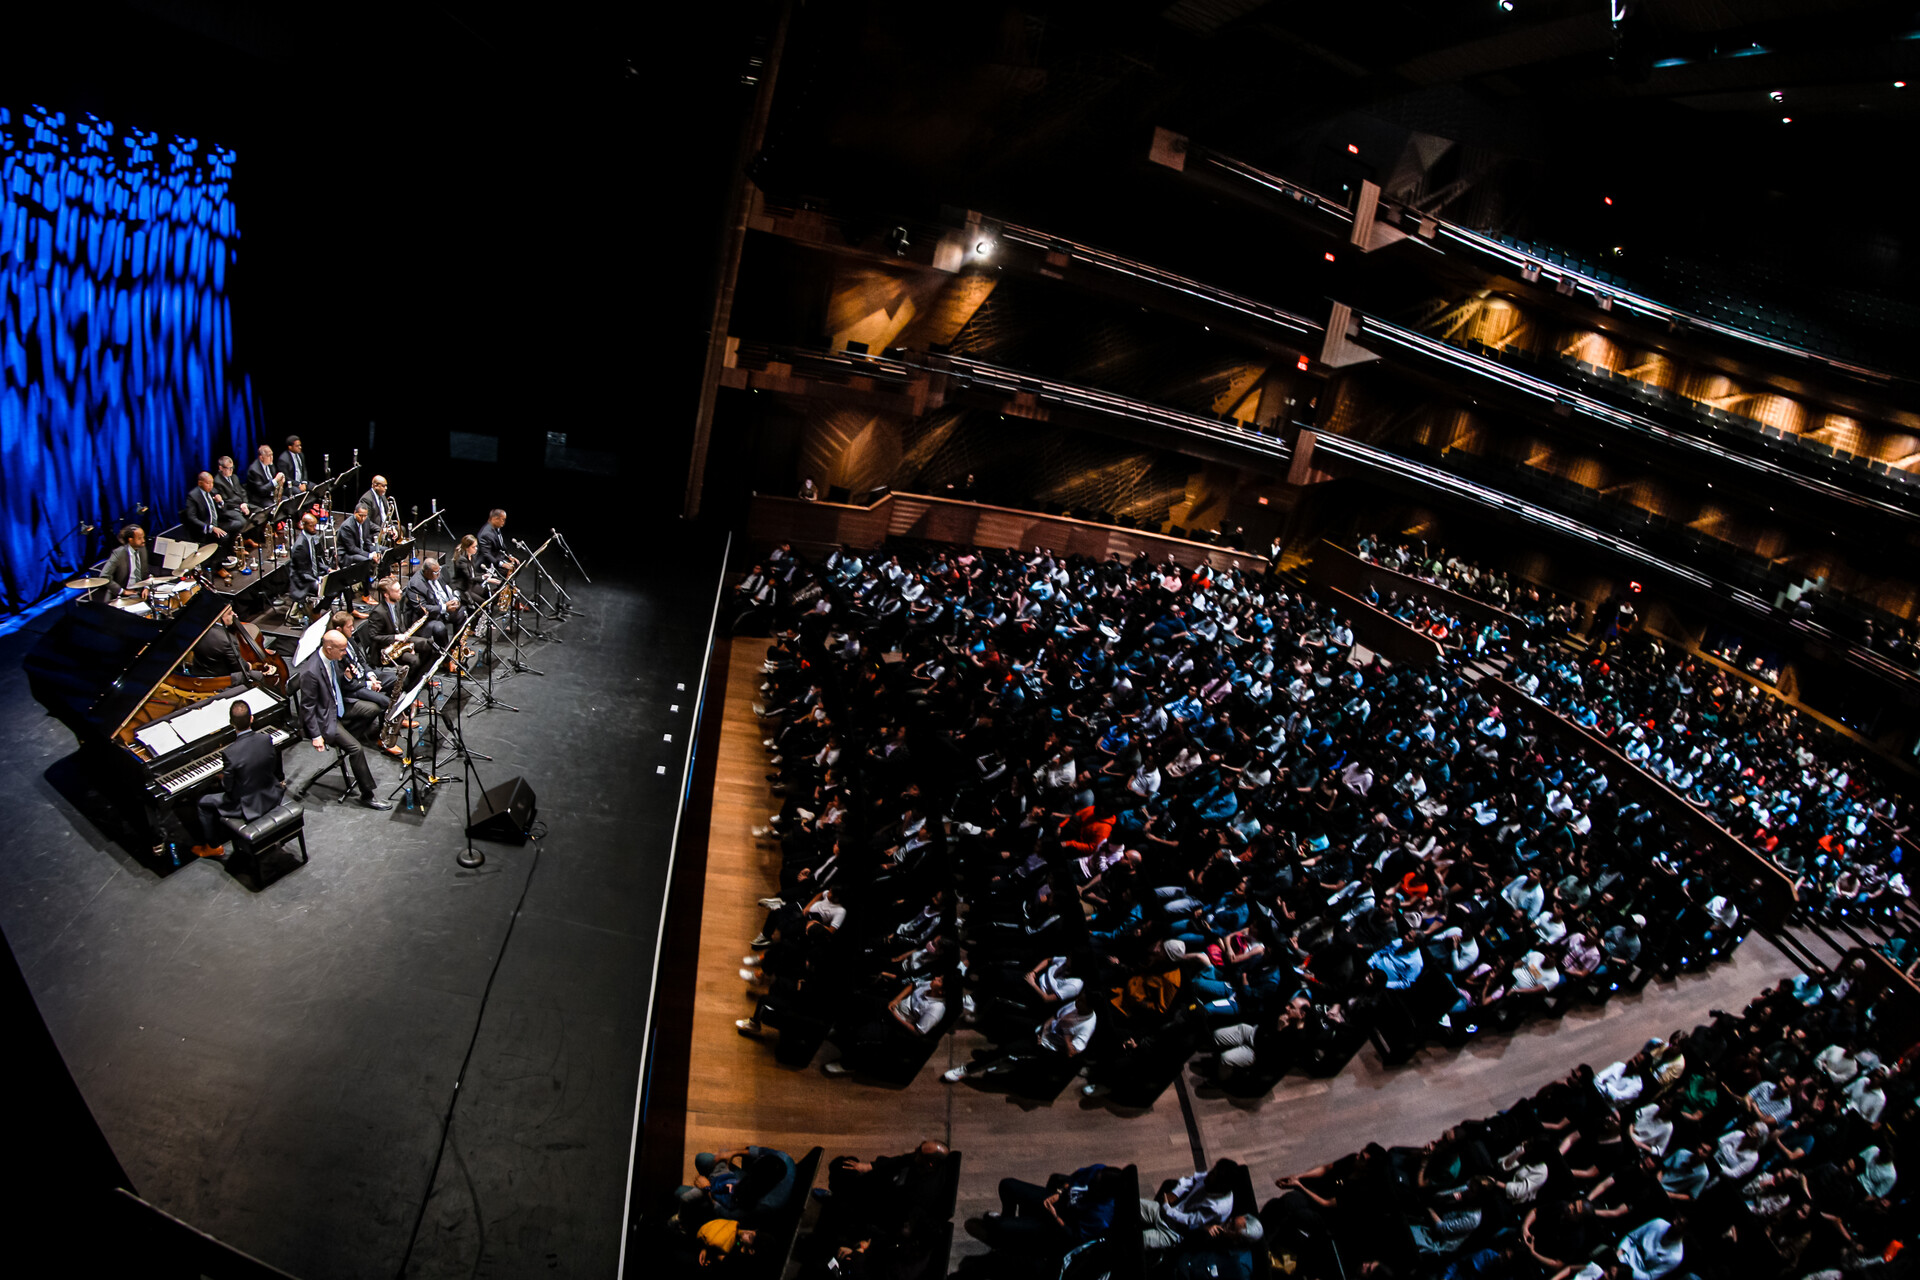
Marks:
<point>1066,1212</point>
<point>912,1015</point>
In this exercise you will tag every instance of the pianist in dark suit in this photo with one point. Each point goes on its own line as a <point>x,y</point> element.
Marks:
<point>308,560</point>
<point>436,599</point>
<point>252,783</point>
<point>260,477</point>
<point>129,562</point>
<point>201,513</point>
<point>292,463</point>
<point>329,716</point>
<point>357,538</point>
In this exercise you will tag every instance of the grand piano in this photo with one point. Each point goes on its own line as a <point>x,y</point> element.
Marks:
<point>150,733</point>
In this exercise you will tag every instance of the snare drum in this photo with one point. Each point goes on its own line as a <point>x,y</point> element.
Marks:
<point>169,599</point>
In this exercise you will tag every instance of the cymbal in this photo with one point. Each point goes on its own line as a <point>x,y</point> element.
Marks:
<point>200,557</point>
<point>88,584</point>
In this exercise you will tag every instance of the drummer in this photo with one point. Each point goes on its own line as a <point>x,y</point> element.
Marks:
<point>128,564</point>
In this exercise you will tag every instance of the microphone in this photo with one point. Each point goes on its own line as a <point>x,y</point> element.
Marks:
<point>520,544</point>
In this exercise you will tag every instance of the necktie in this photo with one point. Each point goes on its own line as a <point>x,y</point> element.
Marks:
<point>393,616</point>
<point>333,682</point>
<point>213,516</point>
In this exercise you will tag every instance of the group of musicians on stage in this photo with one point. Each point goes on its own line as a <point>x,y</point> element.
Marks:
<point>219,506</point>
<point>369,653</point>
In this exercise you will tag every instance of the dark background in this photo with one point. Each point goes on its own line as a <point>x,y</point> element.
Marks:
<point>468,218</point>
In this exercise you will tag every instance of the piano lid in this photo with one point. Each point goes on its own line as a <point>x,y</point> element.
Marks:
<point>98,665</point>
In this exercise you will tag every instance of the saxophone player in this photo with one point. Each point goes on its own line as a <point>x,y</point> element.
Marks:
<point>388,621</point>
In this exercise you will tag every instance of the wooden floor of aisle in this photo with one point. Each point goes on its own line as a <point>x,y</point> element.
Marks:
<point>739,1094</point>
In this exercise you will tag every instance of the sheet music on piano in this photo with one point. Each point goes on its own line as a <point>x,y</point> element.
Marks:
<point>200,721</point>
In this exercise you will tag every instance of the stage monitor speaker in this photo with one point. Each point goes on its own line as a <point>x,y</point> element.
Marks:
<point>505,813</point>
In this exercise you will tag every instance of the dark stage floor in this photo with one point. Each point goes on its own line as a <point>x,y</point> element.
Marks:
<point>274,1067</point>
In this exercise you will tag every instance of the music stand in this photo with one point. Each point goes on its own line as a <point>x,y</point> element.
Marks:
<point>415,790</point>
<point>390,556</point>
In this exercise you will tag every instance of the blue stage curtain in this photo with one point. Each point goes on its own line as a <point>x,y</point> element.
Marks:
<point>116,336</point>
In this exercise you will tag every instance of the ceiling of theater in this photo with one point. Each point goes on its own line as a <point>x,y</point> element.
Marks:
<point>1519,120</point>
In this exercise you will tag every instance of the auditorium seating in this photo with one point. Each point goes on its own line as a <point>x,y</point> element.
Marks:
<point>1119,813</point>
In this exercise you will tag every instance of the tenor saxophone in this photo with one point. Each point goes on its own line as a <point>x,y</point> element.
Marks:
<point>402,643</point>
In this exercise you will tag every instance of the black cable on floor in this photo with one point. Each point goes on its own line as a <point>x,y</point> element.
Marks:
<point>535,833</point>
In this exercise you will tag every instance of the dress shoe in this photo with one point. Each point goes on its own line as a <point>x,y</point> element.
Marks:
<point>395,752</point>
<point>374,803</point>
<point>208,850</point>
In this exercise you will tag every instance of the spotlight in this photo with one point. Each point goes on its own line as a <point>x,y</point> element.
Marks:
<point>1301,364</point>
<point>1506,6</point>
<point>984,249</point>
<point>1619,251</point>
<point>1608,199</point>
<point>1353,149</point>
<point>1329,257</point>
<point>1899,84</point>
<point>1786,119</point>
<point>1778,96</point>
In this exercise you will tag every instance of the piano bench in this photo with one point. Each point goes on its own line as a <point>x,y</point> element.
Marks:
<point>269,831</point>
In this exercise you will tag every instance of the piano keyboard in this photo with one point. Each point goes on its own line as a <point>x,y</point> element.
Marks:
<point>209,767</point>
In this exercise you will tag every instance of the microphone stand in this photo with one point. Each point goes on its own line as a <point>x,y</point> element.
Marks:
<point>487,698</point>
<point>563,602</point>
<point>450,710</point>
<point>539,602</point>
<point>516,660</point>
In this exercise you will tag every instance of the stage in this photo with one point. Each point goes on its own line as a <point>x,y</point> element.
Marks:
<point>276,1067</point>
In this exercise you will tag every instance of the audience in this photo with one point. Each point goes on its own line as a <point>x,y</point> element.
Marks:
<point>1774,778</point>
<point>1117,812</point>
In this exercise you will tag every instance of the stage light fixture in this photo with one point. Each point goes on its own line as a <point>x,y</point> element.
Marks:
<point>1329,257</point>
<point>1786,119</point>
<point>1301,364</point>
<point>1899,84</point>
<point>1778,96</point>
<point>1506,6</point>
<point>984,249</point>
<point>1353,149</point>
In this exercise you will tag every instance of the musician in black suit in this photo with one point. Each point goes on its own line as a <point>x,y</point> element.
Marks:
<point>201,512</point>
<point>252,783</point>
<point>217,653</point>
<point>260,477</point>
<point>328,715</point>
<point>493,544</point>
<point>382,510</point>
<point>232,496</point>
<point>292,463</point>
<point>387,619</point>
<point>433,597</point>
<point>308,559</point>
<point>357,539</point>
<point>470,580</point>
<point>129,563</point>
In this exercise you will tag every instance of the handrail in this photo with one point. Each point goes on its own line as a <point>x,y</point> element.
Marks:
<point>1599,410</point>
<point>1622,297</point>
<point>1251,308</point>
<point>897,366</point>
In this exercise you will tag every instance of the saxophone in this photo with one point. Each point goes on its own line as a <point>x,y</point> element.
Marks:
<point>402,642</point>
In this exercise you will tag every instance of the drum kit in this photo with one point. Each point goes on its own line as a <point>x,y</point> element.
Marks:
<point>166,593</point>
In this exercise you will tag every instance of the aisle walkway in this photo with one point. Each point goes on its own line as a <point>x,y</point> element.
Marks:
<point>739,1094</point>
